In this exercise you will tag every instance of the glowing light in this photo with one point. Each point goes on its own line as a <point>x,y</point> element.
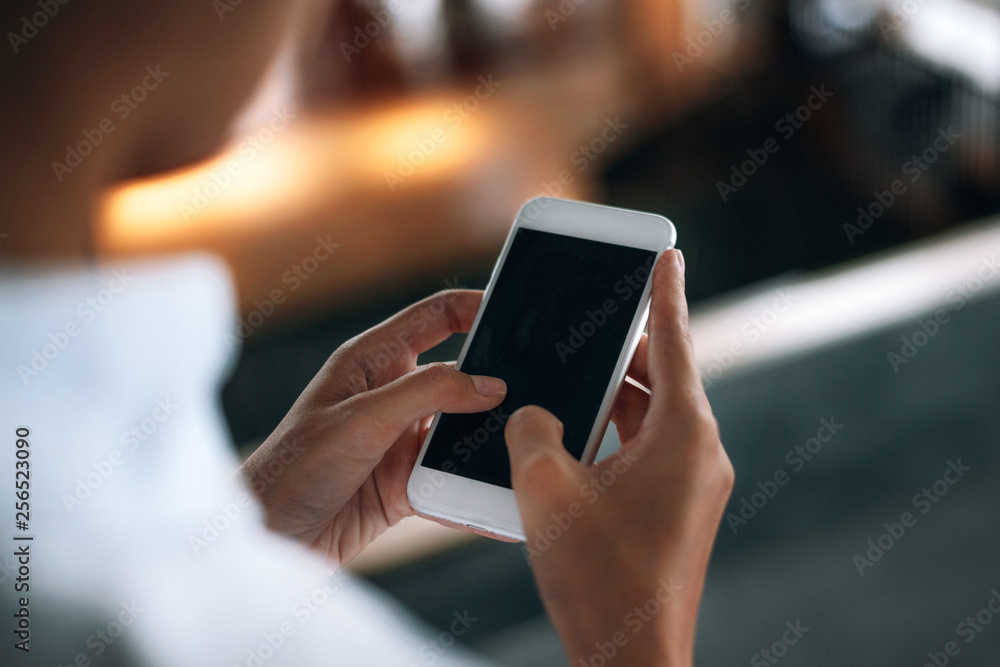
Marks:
<point>226,191</point>
<point>958,34</point>
<point>271,180</point>
<point>426,139</point>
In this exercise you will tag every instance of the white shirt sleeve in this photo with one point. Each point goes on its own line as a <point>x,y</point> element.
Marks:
<point>145,547</point>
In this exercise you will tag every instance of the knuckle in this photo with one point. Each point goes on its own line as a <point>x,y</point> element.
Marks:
<point>728,474</point>
<point>539,470</point>
<point>345,355</point>
<point>446,295</point>
<point>444,304</point>
<point>705,456</point>
<point>690,407</point>
<point>707,433</point>
<point>360,343</point>
<point>458,305</point>
<point>709,424</point>
<point>717,469</point>
<point>439,373</point>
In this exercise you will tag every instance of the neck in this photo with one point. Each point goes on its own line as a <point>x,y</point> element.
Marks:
<point>49,192</point>
<point>46,220</point>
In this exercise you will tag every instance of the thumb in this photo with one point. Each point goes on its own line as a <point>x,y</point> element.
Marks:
<point>388,411</point>
<point>542,471</point>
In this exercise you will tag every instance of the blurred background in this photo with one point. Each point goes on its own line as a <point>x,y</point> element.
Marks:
<point>833,170</point>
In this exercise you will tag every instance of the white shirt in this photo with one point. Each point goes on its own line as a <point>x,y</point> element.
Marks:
<point>147,548</point>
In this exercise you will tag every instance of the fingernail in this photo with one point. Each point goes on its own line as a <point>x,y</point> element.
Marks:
<point>680,258</point>
<point>489,386</point>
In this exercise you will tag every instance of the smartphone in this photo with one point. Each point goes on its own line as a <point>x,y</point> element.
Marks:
<point>559,322</point>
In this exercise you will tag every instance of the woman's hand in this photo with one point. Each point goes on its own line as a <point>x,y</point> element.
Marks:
<point>620,549</point>
<point>333,474</point>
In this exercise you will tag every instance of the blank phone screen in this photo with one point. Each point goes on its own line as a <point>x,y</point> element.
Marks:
<point>553,330</point>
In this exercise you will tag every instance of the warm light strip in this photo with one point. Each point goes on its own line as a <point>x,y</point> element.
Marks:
<point>848,301</point>
<point>270,176</point>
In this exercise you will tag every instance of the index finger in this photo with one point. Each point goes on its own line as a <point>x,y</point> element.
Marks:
<point>673,374</point>
<point>430,321</point>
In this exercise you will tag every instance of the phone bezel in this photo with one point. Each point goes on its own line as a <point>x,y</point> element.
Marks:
<point>493,509</point>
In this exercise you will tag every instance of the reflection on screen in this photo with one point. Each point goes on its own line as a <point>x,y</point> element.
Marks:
<point>554,326</point>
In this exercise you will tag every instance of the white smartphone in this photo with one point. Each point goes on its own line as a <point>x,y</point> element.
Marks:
<point>559,322</point>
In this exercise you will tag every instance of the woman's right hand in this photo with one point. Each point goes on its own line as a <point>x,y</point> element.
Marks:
<point>620,549</point>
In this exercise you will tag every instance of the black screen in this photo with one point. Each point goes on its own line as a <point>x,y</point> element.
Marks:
<point>553,330</point>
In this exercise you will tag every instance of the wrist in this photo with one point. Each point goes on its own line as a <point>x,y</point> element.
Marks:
<point>264,470</point>
<point>653,626</point>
